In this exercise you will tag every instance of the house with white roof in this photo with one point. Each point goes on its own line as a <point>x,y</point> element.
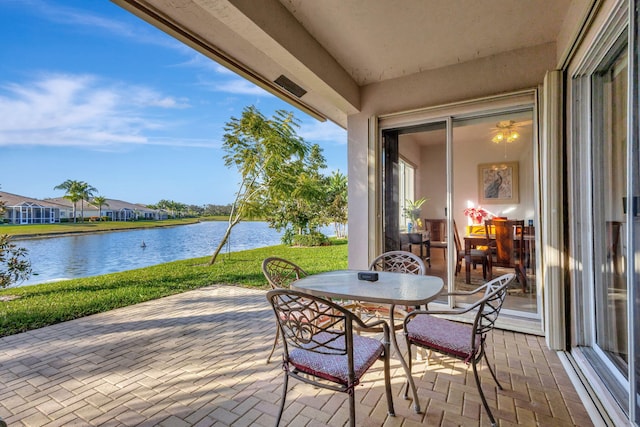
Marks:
<point>25,210</point>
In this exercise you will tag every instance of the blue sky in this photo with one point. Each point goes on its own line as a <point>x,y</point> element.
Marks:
<point>90,92</point>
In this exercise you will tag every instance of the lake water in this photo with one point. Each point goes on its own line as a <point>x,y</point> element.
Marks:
<point>70,257</point>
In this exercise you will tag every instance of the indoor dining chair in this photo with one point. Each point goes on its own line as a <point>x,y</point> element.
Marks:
<point>507,247</point>
<point>463,341</point>
<point>321,349</point>
<point>477,255</point>
<point>437,234</point>
<point>280,273</point>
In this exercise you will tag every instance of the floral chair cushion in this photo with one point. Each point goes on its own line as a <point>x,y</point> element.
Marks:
<point>443,335</point>
<point>334,367</point>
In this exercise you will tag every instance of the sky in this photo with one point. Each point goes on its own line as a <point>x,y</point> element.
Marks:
<point>90,92</point>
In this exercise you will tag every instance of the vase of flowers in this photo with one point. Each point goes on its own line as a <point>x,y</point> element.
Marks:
<point>476,214</point>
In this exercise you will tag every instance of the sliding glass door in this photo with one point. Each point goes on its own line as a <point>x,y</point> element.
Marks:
<point>493,177</point>
<point>456,163</point>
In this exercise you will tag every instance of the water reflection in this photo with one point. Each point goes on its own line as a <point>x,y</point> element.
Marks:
<point>95,254</point>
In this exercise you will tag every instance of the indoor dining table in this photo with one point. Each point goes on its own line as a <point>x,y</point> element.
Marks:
<point>390,289</point>
<point>474,240</point>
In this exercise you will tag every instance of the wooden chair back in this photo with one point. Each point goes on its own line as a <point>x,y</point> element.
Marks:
<point>437,229</point>
<point>508,243</point>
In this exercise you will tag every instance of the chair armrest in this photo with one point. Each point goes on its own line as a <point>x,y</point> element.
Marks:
<point>372,324</point>
<point>374,327</point>
<point>471,292</point>
<point>413,314</point>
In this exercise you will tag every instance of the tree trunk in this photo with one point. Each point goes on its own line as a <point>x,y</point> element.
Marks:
<point>223,241</point>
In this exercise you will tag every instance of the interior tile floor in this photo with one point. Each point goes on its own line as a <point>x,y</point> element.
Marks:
<point>198,359</point>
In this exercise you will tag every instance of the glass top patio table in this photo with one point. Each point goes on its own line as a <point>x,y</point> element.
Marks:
<point>390,288</point>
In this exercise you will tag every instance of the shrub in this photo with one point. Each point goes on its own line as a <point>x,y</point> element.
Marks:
<point>314,238</point>
<point>14,266</point>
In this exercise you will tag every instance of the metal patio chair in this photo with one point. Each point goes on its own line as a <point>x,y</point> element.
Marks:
<point>463,341</point>
<point>321,348</point>
<point>280,273</point>
<point>395,262</point>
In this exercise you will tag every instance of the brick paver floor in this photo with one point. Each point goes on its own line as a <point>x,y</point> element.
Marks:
<point>198,359</point>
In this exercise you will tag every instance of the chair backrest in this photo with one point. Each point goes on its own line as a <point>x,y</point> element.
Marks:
<point>509,241</point>
<point>437,229</point>
<point>456,238</point>
<point>490,305</point>
<point>280,273</point>
<point>314,324</point>
<point>398,262</point>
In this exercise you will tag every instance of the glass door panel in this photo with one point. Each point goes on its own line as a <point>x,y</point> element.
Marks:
<point>414,168</point>
<point>609,213</point>
<point>493,177</point>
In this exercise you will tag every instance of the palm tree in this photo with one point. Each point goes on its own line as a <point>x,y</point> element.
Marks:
<point>337,203</point>
<point>76,191</point>
<point>100,201</point>
<point>72,189</point>
<point>86,192</point>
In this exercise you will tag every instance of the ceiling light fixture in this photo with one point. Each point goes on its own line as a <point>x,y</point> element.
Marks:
<point>505,132</point>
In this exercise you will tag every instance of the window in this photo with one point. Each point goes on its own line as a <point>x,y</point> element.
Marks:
<point>406,189</point>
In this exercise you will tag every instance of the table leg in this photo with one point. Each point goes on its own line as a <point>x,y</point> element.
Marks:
<point>428,244</point>
<point>405,366</point>
<point>467,261</point>
<point>467,268</point>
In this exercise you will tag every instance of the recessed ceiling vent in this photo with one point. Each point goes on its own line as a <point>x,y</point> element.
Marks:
<point>289,86</point>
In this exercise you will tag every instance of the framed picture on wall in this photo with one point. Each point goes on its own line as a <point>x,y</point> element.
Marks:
<point>498,183</point>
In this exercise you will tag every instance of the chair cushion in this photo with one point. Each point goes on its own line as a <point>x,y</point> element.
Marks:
<point>442,335</point>
<point>334,367</point>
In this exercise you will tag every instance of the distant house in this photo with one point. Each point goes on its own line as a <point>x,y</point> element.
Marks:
<point>115,210</point>
<point>66,208</point>
<point>25,210</point>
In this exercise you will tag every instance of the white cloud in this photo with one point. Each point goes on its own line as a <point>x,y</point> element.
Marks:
<point>82,110</point>
<point>238,87</point>
<point>80,19</point>
<point>197,60</point>
<point>323,131</point>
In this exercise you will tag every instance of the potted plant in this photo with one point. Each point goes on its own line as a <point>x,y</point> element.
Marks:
<point>412,211</point>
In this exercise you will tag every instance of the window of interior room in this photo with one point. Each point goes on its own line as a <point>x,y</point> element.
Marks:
<point>609,154</point>
<point>406,190</point>
<point>493,177</point>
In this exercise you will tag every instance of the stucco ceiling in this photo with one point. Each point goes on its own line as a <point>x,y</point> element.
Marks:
<point>380,40</point>
<point>332,48</point>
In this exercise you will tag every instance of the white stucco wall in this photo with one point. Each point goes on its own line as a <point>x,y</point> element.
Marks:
<point>507,72</point>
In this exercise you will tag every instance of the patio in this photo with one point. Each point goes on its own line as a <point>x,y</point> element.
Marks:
<point>198,358</point>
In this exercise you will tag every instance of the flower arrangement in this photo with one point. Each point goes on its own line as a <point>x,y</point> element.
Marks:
<point>476,214</point>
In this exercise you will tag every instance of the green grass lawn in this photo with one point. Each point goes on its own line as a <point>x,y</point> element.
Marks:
<point>87,227</point>
<point>36,306</point>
